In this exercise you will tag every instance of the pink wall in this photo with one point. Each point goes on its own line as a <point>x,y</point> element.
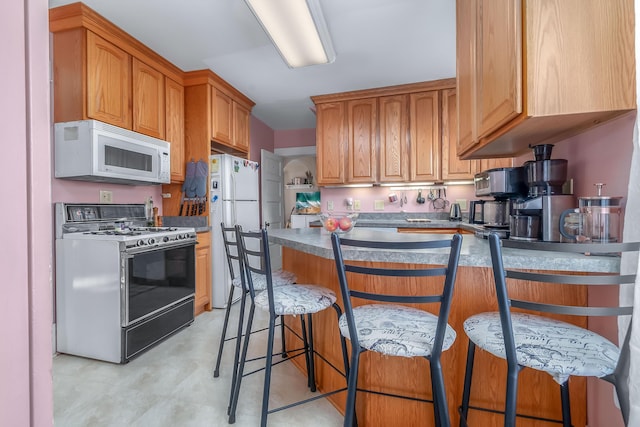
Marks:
<point>26,391</point>
<point>295,138</point>
<point>70,191</point>
<point>262,137</point>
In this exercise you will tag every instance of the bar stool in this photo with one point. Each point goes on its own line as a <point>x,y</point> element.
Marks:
<point>295,299</point>
<point>395,328</point>
<point>280,277</point>
<point>528,340</point>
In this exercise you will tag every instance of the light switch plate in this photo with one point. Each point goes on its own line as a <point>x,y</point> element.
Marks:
<point>462,203</point>
<point>378,205</point>
<point>356,204</point>
<point>330,205</point>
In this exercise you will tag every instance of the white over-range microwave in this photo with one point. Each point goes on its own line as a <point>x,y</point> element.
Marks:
<point>90,150</point>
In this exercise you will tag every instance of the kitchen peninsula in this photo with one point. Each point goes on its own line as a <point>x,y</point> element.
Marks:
<point>308,253</point>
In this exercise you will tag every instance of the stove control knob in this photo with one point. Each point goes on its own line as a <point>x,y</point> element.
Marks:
<point>180,236</point>
<point>151,240</point>
<point>140,242</point>
<point>165,239</point>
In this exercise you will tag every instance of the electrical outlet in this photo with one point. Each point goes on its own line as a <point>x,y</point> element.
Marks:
<point>356,204</point>
<point>378,205</point>
<point>106,196</point>
<point>330,205</point>
<point>462,203</point>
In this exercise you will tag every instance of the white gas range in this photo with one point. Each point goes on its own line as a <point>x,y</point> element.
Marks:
<point>121,287</point>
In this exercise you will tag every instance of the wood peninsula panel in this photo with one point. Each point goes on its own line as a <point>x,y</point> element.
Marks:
<point>474,293</point>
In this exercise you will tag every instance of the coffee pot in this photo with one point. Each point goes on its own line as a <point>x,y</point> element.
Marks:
<point>597,219</point>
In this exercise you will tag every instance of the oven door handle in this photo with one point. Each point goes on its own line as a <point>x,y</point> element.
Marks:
<point>140,249</point>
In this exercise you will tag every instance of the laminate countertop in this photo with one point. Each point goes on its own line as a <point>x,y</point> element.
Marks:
<point>474,253</point>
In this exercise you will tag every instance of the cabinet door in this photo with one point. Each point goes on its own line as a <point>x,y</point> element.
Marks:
<point>394,129</point>
<point>425,136</point>
<point>108,82</point>
<point>330,142</point>
<point>499,63</point>
<point>452,166</point>
<point>495,163</point>
<point>148,100</point>
<point>203,273</point>
<point>222,117</point>
<point>465,73</point>
<point>241,123</point>
<point>175,127</point>
<point>362,126</point>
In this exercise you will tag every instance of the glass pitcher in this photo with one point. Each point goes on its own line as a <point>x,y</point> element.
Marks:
<point>599,219</point>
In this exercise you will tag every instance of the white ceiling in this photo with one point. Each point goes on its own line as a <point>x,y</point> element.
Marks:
<point>377,43</point>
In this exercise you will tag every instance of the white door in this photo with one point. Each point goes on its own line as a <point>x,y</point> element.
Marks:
<point>272,183</point>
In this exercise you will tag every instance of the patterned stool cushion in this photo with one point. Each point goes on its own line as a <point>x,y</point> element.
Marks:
<point>558,348</point>
<point>279,278</point>
<point>396,330</point>
<point>297,299</point>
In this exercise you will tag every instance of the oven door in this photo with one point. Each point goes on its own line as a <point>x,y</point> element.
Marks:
<point>153,280</point>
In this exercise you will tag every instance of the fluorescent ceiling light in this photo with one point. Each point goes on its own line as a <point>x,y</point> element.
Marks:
<point>297,29</point>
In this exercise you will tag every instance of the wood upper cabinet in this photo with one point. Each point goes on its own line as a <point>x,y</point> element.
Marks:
<point>102,73</point>
<point>203,273</point>
<point>107,80</point>
<point>221,116</point>
<point>362,147</point>
<point>229,120</point>
<point>149,113</point>
<point>485,164</point>
<point>394,130</point>
<point>452,166</point>
<point>533,72</point>
<point>242,125</point>
<point>425,136</point>
<point>174,127</point>
<point>330,143</point>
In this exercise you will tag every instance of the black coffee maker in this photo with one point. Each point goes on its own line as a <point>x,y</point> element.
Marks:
<point>537,216</point>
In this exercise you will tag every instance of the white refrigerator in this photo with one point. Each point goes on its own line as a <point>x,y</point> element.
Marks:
<point>234,198</point>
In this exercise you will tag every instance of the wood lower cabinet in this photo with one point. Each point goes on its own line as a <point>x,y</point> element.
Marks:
<point>203,273</point>
<point>533,72</point>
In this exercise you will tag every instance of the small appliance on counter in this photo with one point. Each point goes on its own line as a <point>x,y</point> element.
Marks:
<point>537,216</point>
<point>505,185</point>
<point>597,219</point>
<point>455,214</point>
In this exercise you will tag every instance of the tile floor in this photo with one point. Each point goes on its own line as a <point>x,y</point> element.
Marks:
<point>172,385</point>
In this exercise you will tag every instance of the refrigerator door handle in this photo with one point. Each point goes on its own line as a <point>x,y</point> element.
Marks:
<point>233,199</point>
